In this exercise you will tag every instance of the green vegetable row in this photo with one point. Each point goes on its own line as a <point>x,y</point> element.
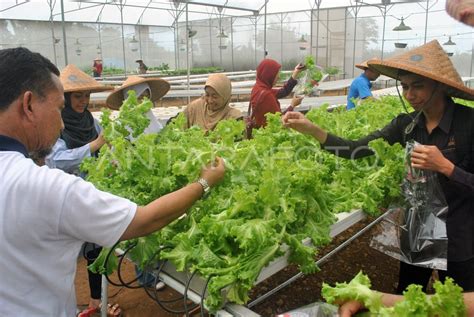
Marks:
<point>279,188</point>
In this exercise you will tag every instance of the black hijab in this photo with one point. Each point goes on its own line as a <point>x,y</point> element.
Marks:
<point>79,128</point>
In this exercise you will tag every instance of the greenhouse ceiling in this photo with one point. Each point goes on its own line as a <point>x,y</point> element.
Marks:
<point>162,13</point>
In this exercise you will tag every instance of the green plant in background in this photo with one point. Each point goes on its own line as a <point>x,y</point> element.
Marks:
<point>331,70</point>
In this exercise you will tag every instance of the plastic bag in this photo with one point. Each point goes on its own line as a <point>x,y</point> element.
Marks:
<point>317,309</point>
<point>310,77</point>
<point>414,231</point>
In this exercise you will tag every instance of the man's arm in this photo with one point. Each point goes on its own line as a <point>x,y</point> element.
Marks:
<point>167,208</point>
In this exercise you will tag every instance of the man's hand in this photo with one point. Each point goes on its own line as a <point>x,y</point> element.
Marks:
<point>214,172</point>
<point>429,157</point>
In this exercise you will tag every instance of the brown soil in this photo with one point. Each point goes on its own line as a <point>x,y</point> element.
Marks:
<point>342,266</point>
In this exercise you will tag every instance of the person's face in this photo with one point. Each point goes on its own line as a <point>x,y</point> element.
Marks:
<point>48,122</point>
<point>80,100</point>
<point>418,90</point>
<point>372,74</point>
<point>144,94</point>
<point>277,77</point>
<point>213,99</point>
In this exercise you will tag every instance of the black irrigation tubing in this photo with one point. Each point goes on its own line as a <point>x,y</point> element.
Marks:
<point>105,265</point>
<point>161,302</point>
<point>160,268</point>
<point>119,274</point>
<point>185,295</point>
<point>204,294</point>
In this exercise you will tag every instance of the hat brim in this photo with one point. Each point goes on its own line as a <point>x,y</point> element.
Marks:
<point>92,89</point>
<point>159,88</point>
<point>391,69</point>
<point>360,66</point>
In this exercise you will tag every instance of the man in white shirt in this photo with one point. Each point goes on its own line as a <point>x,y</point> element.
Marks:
<point>41,230</point>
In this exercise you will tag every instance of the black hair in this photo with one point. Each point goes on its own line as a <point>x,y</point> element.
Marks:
<point>22,70</point>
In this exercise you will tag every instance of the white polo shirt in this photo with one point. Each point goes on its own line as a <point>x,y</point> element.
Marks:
<point>45,216</point>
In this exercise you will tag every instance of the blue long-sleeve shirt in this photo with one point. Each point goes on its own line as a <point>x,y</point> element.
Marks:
<point>66,159</point>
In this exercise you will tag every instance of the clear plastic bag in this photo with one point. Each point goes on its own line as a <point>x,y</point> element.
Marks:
<point>414,230</point>
<point>316,309</point>
<point>311,76</point>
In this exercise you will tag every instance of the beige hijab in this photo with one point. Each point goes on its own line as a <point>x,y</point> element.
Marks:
<point>198,112</point>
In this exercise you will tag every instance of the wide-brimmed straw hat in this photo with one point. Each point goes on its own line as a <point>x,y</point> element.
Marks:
<point>159,87</point>
<point>74,79</point>
<point>98,59</point>
<point>430,61</point>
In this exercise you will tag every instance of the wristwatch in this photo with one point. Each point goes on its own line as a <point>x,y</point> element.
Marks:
<point>205,186</point>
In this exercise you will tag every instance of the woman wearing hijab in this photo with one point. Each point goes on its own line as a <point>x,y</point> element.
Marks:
<point>445,132</point>
<point>264,98</point>
<point>214,106</point>
<point>153,89</point>
<point>80,138</point>
<point>81,135</point>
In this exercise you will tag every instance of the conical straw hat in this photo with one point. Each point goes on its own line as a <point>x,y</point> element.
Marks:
<point>428,60</point>
<point>74,79</point>
<point>159,87</point>
<point>364,65</point>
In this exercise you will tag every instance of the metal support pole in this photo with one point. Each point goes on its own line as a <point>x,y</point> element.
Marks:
<point>123,40</point>
<point>321,261</point>
<point>345,41</point>
<point>255,48</point>
<point>426,19</point>
<point>53,38</point>
<point>384,13</point>
<point>265,31</point>
<point>355,39</point>
<point>187,53</point>
<point>232,42</point>
<point>210,39</point>
<point>220,39</point>
<point>176,44</point>
<point>64,33</point>
<point>100,41</point>
<point>327,38</point>
<point>104,296</point>
<point>311,31</point>
<point>281,38</point>
<point>140,40</point>
<point>317,35</point>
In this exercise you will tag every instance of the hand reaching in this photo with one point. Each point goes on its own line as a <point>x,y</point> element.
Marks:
<point>214,172</point>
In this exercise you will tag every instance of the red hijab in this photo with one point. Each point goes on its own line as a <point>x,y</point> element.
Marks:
<point>263,98</point>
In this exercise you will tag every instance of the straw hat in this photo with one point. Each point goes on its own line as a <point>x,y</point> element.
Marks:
<point>461,10</point>
<point>98,59</point>
<point>364,65</point>
<point>74,79</point>
<point>158,86</point>
<point>428,60</point>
